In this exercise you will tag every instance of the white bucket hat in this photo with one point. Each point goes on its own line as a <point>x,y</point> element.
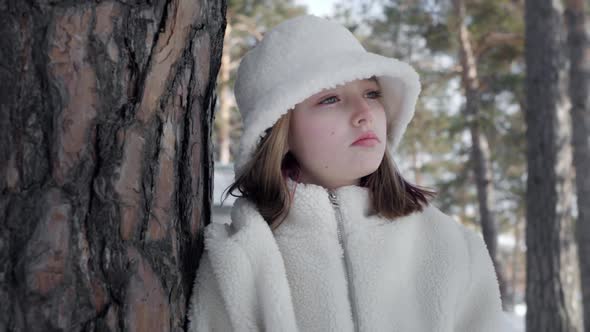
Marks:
<point>303,56</point>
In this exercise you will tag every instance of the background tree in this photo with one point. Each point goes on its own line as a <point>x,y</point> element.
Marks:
<point>547,183</point>
<point>579,92</point>
<point>480,149</point>
<point>106,163</point>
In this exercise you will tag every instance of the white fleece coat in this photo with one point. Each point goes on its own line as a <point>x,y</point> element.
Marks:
<point>422,272</point>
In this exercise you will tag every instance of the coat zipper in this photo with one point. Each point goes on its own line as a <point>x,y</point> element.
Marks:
<point>336,205</point>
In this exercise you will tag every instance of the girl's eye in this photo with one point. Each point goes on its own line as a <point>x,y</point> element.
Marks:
<point>329,100</point>
<point>374,94</point>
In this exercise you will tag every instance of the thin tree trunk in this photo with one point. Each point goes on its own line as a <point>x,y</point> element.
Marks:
<point>480,152</point>
<point>516,263</point>
<point>547,171</point>
<point>415,165</point>
<point>579,91</point>
<point>223,121</point>
<point>105,175</point>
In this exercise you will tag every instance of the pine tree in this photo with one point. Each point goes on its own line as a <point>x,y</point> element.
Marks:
<point>579,91</point>
<point>547,181</point>
<point>106,117</point>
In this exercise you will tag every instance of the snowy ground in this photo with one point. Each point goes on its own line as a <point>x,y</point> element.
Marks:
<point>222,178</point>
<point>514,322</point>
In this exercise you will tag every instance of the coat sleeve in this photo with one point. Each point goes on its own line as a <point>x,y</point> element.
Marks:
<point>207,311</point>
<point>479,307</point>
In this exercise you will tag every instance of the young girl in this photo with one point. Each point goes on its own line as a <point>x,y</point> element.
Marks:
<point>327,235</point>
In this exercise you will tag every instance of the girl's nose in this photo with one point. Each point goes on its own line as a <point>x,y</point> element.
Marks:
<point>361,112</point>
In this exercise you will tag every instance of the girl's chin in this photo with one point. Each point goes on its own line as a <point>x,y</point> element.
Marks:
<point>358,173</point>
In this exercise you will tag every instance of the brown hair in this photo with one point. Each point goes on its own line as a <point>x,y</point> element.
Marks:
<point>263,181</point>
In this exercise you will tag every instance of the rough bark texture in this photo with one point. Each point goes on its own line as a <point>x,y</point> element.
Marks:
<point>105,175</point>
<point>480,151</point>
<point>547,139</point>
<point>579,91</point>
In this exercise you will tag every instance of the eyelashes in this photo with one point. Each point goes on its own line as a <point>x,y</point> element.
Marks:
<point>329,100</point>
<point>374,94</point>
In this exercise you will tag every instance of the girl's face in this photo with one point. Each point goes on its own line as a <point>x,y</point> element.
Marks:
<point>325,130</point>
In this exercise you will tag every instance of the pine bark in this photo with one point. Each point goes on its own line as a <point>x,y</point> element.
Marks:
<point>579,91</point>
<point>548,166</point>
<point>105,168</point>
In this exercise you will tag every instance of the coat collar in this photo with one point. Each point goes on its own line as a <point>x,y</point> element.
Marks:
<point>311,203</point>
<point>311,207</point>
<point>307,194</point>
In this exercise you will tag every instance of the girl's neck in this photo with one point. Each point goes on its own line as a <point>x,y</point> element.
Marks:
<point>306,182</point>
<point>301,177</point>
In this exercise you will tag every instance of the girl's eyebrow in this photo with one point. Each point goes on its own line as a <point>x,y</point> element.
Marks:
<point>374,80</point>
<point>324,92</point>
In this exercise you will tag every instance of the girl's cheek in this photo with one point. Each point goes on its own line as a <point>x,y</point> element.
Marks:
<point>323,132</point>
<point>318,128</point>
<point>314,125</point>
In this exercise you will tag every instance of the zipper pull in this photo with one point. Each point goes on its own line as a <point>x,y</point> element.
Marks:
<point>333,198</point>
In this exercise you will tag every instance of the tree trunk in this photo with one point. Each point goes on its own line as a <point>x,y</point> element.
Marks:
<point>480,152</point>
<point>579,48</point>
<point>105,175</point>
<point>223,121</point>
<point>547,207</point>
<point>517,262</point>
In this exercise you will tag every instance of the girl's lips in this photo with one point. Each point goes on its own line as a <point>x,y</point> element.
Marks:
<point>366,142</point>
<point>367,138</point>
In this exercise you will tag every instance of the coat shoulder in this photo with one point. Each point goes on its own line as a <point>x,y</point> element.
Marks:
<point>445,236</point>
<point>445,224</point>
<point>432,218</point>
<point>246,225</point>
<point>244,257</point>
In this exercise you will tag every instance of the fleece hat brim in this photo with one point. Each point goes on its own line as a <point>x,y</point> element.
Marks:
<point>265,91</point>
